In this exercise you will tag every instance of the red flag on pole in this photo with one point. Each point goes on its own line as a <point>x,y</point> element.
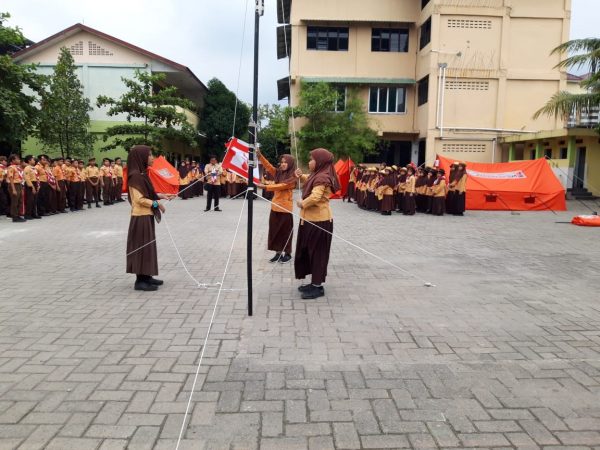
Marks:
<point>236,159</point>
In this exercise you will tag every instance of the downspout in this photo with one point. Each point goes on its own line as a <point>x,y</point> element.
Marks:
<point>444,67</point>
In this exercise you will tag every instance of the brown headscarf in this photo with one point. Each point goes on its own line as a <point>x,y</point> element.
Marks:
<point>137,176</point>
<point>324,173</point>
<point>286,176</point>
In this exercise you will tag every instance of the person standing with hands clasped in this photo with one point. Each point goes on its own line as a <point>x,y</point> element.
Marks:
<point>213,172</point>
<point>316,222</point>
<point>142,259</point>
<point>281,221</point>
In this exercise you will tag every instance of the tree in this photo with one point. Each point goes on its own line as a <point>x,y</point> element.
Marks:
<point>273,134</point>
<point>586,54</point>
<point>345,134</point>
<point>217,119</point>
<point>64,119</point>
<point>19,85</point>
<point>153,107</point>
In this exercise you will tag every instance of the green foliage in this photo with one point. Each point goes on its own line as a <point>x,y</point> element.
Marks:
<point>64,119</point>
<point>217,118</point>
<point>19,85</point>
<point>585,55</point>
<point>151,113</point>
<point>273,134</point>
<point>345,134</point>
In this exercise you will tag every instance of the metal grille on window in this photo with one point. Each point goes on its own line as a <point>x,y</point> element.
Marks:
<point>77,48</point>
<point>470,24</point>
<point>459,85</point>
<point>464,148</point>
<point>96,50</point>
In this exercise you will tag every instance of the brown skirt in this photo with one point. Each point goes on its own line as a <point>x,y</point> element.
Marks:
<point>410,205</point>
<point>142,257</point>
<point>460,203</point>
<point>281,229</point>
<point>387,204</point>
<point>312,250</point>
<point>438,206</point>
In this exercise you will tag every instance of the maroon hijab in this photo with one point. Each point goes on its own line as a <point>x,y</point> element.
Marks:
<point>286,176</point>
<point>324,174</point>
<point>137,176</point>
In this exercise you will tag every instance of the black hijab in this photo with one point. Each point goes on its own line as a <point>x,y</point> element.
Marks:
<point>137,176</point>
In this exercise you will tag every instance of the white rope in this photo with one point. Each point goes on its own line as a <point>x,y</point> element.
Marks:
<point>237,89</point>
<point>187,409</point>
<point>425,283</point>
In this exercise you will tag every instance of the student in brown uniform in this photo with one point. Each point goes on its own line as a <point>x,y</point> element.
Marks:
<point>92,183</point>
<point>61,191</point>
<point>420,187</point>
<point>31,188</point>
<point>439,194</point>
<point>316,223</point>
<point>385,192</point>
<point>15,181</point>
<point>53,191</point>
<point>43,195</point>
<point>281,220</point>
<point>118,172</point>
<point>431,177</point>
<point>80,193</point>
<point>450,197</point>
<point>409,203</point>
<point>142,259</point>
<point>4,203</point>
<point>107,180</point>
<point>400,189</point>
<point>351,192</point>
<point>461,190</point>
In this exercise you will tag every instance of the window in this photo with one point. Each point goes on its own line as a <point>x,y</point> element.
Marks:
<point>331,39</point>
<point>423,91</point>
<point>424,3</point>
<point>389,40</point>
<point>564,153</point>
<point>548,153</point>
<point>387,100</point>
<point>425,34</point>
<point>340,103</point>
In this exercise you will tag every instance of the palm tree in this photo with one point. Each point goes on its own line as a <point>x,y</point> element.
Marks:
<point>586,54</point>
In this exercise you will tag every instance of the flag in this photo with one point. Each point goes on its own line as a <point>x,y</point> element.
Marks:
<point>236,159</point>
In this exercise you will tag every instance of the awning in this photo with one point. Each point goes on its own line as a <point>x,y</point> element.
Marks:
<point>284,36</point>
<point>283,88</point>
<point>359,80</point>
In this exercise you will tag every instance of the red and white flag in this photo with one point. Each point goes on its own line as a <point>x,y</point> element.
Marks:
<point>236,159</point>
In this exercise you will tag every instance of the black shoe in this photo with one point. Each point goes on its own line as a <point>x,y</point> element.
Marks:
<point>285,259</point>
<point>37,217</point>
<point>144,286</point>
<point>98,206</point>
<point>207,210</point>
<point>275,258</point>
<point>19,219</point>
<point>217,209</point>
<point>89,205</point>
<point>313,292</point>
<point>155,281</point>
<point>304,287</point>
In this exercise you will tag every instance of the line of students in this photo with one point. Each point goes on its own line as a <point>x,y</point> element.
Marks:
<point>408,190</point>
<point>31,188</point>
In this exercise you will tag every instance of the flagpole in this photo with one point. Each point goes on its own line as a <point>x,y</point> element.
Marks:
<point>259,11</point>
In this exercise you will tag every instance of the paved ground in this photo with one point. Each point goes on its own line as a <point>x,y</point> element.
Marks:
<point>504,352</point>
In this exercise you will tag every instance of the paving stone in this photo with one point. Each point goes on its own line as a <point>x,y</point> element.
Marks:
<point>345,436</point>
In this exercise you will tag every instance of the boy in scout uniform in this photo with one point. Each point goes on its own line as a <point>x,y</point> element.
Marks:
<point>118,172</point>
<point>81,186</point>
<point>30,177</point>
<point>15,181</point>
<point>106,177</point>
<point>61,184</point>
<point>4,203</point>
<point>92,175</point>
<point>43,195</point>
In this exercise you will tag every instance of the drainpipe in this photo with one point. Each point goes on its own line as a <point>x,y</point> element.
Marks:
<point>443,68</point>
<point>494,149</point>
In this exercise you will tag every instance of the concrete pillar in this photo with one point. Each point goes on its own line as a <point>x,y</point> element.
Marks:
<point>415,152</point>
<point>512,152</point>
<point>539,150</point>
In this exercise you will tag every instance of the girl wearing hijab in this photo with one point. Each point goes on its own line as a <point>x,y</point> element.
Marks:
<point>452,180</point>
<point>400,189</point>
<point>439,194</point>
<point>420,187</point>
<point>316,222</point>
<point>141,240</point>
<point>409,192</point>
<point>385,192</point>
<point>460,190</point>
<point>281,221</point>
<point>183,180</point>
<point>431,177</point>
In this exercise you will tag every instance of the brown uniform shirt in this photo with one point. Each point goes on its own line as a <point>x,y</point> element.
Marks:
<point>315,207</point>
<point>118,171</point>
<point>58,173</point>
<point>92,172</point>
<point>14,174</point>
<point>30,176</point>
<point>41,173</point>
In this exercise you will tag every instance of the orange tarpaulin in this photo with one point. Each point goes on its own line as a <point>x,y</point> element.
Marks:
<point>586,221</point>
<point>343,169</point>
<point>164,177</point>
<point>514,186</point>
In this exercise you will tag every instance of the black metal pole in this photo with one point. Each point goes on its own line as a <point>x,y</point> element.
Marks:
<point>252,154</point>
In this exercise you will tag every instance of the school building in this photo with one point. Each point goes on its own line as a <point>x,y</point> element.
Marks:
<point>102,60</point>
<point>450,77</point>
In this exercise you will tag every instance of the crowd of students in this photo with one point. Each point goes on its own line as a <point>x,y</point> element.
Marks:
<point>32,188</point>
<point>409,190</point>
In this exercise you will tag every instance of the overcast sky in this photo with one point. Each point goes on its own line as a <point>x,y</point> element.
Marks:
<point>204,35</point>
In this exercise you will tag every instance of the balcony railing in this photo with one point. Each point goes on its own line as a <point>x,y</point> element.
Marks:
<point>588,119</point>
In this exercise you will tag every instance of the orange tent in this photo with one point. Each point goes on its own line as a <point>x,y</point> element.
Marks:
<point>164,177</point>
<point>514,186</point>
<point>586,221</point>
<point>343,169</point>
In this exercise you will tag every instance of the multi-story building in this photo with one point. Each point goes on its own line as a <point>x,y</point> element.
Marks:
<point>447,77</point>
<point>102,60</point>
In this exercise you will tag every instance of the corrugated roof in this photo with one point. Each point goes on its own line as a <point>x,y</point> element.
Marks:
<point>359,80</point>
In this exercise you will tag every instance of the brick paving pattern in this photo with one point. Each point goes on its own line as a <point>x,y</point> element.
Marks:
<point>503,353</point>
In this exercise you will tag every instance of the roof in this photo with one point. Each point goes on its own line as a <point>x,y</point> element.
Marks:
<point>67,32</point>
<point>359,80</point>
<point>577,78</point>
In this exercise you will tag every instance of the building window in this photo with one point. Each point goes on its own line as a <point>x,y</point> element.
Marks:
<point>340,102</point>
<point>331,39</point>
<point>425,34</point>
<point>77,48</point>
<point>423,91</point>
<point>564,153</point>
<point>391,100</point>
<point>389,40</point>
<point>424,3</point>
<point>548,153</point>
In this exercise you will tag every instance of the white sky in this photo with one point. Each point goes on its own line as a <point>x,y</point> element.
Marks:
<point>204,35</point>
